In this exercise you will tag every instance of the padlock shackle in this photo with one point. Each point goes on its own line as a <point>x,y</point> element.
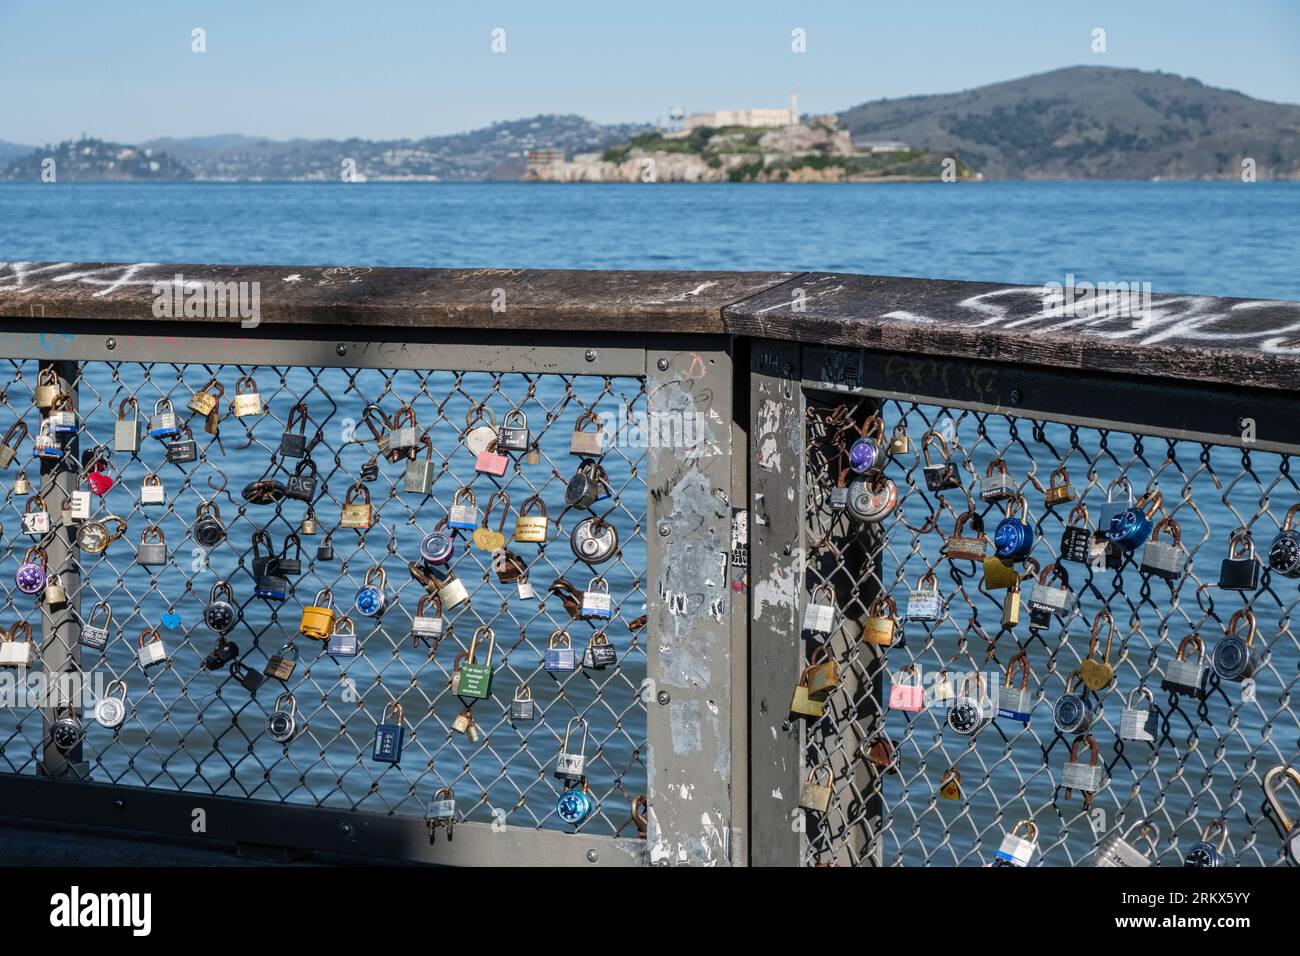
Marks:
<point>997,463</point>
<point>21,627</point>
<point>353,490</point>
<point>554,641</point>
<point>1029,827</point>
<point>1149,503</point>
<point>1096,630</point>
<point>523,692</point>
<point>108,614</point>
<point>1272,784</point>
<point>1140,692</point>
<point>1247,615</point>
<point>533,502</point>
<point>108,690</point>
<point>375,571</point>
<point>1192,641</point>
<point>341,621</point>
<point>392,707</point>
<point>505,510</point>
<point>872,427</point>
<point>151,633</point>
<point>1079,511</point>
<point>1054,569</point>
<point>283,700</point>
<point>1220,824</point>
<point>1024,671</point>
<point>568,729</point>
<point>975,520</point>
<point>1175,532</point>
<point>1091,743</point>
<point>1241,536</point>
<point>152,534</point>
<point>883,607</point>
<point>933,436</point>
<point>1287,521</point>
<point>473,645</point>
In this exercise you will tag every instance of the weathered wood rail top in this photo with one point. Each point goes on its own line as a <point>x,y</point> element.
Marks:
<point>1243,342</point>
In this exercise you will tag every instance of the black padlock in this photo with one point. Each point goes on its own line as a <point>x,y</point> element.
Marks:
<point>261,538</point>
<point>221,613</point>
<point>290,560</point>
<point>302,483</point>
<point>271,584</point>
<point>222,654</point>
<point>208,529</point>
<point>183,449</point>
<point>325,550</point>
<point>294,444</point>
<point>1240,569</point>
<point>250,677</point>
<point>370,470</point>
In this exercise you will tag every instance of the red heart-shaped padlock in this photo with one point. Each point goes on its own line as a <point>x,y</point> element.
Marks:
<point>99,482</point>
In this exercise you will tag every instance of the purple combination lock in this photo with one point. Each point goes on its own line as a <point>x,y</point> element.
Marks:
<point>863,455</point>
<point>30,576</point>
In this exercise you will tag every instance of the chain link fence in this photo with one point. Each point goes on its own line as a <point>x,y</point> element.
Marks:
<point>929,754</point>
<point>193,724</point>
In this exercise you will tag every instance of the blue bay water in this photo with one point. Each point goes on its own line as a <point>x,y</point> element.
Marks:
<point>1211,238</point>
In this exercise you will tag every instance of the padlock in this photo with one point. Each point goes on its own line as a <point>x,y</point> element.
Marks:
<point>47,387</point>
<point>248,400</point>
<point>819,614</point>
<point>950,784</point>
<point>997,485</point>
<point>1077,539</point>
<point>463,721</point>
<point>802,702</point>
<point>593,540</point>
<point>1087,777</point>
<point>452,591</point>
<point>76,507</point>
<point>441,812</point>
<point>67,731</point>
<point>588,442</point>
<point>1184,676</point>
<point>46,444</point>
<point>1016,703</point>
<point>151,650</point>
<point>596,602</point>
<point>463,514</point>
<point>816,792</point>
<point>510,569</point>
<point>183,449</point>
<point>152,550</point>
<point>151,490</point>
<point>1097,674</point>
<point>290,559</point>
<point>1072,713</point>
<point>163,422</point>
<point>823,673</point>
<point>94,536</point>
<point>222,653</point>
<point>839,498</point>
<point>1111,509</point>
<point>491,462</point>
<point>1207,852</point>
<point>308,525</point>
<point>1272,784</point>
<point>880,753</point>
<point>571,763</point>
<point>36,520</point>
<point>325,550</point>
<point>1164,559</point>
<point>1138,723</point>
<point>900,443</point>
<point>485,537</point>
<point>248,677</point>
<point>22,485</point>
<point>126,431</point>
<point>1233,657</point>
<point>1046,598</point>
<point>438,546</point>
<point>1059,490</point>
<point>924,602</point>
<point>907,695</point>
<point>301,485</point>
<point>522,705</point>
<point>575,803</point>
<point>418,477</point>
<point>12,439</point>
<point>872,499</point>
<point>371,598</point>
<point>480,430</point>
<point>959,547</point>
<point>530,527</point>
<point>559,656</point>
<point>475,677</point>
<point>111,711</point>
<point>389,735</point>
<point>879,625</point>
<point>373,418</point>
<point>205,400</point>
<point>317,620</point>
<point>1240,569</point>
<point>600,653</point>
<point>940,475</point>
<point>1130,529</point>
<point>282,722</point>
<point>969,713</point>
<point>1283,553</point>
<point>260,539</point>
<point>270,584</point>
<point>16,646</point>
<point>282,663</point>
<point>370,469</point>
<point>342,640</point>
<point>866,454</point>
<point>1017,850</point>
<point>94,632</point>
<point>62,418</point>
<point>293,444</point>
<point>31,574</point>
<point>1116,851</point>
<point>208,530</point>
<point>999,574</point>
<point>1013,538</point>
<point>56,595</point>
<point>356,514</point>
<point>588,485</point>
<point>514,434</point>
<point>221,613</point>
<point>98,478</point>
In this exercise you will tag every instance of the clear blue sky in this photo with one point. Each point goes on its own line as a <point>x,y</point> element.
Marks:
<point>393,68</point>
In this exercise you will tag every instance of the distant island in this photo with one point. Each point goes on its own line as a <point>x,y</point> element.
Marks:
<point>1074,123</point>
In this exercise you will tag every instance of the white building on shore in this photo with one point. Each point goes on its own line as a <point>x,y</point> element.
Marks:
<point>761,118</point>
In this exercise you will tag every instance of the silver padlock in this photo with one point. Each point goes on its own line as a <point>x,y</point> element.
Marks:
<point>463,513</point>
<point>452,591</point>
<point>1017,850</point>
<point>56,595</point>
<point>151,490</point>
<point>819,614</point>
<point>596,602</point>
<point>588,442</point>
<point>1077,775</point>
<point>1117,851</point>
<point>1048,598</point>
<point>593,540</point>
<point>17,649</point>
<point>571,764</point>
<point>1273,781</point>
<point>924,603</point>
<point>425,626</point>
<point>1164,559</point>
<point>872,499</point>
<point>1137,723</point>
<point>282,722</point>
<point>126,431</point>
<point>111,711</point>
<point>151,650</point>
<point>95,634</point>
<point>1016,703</point>
<point>1183,675</point>
<point>402,434</point>
<point>418,477</point>
<point>997,485</point>
<point>163,422</point>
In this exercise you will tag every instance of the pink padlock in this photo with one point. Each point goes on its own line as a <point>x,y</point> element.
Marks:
<point>489,462</point>
<point>907,696</point>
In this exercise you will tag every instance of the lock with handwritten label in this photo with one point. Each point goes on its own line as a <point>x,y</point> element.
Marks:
<point>248,400</point>
<point>532,525</point>
<point>600,653</point>
<point>205,400</point>
<point>514,434</point>
<point>424,626</point>
<point>301,485</point>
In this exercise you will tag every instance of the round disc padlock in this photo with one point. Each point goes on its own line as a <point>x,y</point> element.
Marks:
<point>220,616</point>
<point>593,541</point>
<point>66,733</point>
<point>1070,714</point>
<point>436,547</point>
<point>279,726</point>
<point>573,807</point>
<point>110,712</point>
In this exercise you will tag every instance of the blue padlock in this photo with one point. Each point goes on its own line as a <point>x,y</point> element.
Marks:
<point>342,641</point>
<point>389,735</point>
<point>1131,527</point>
<point>575,804</point>
<point>1013,538</point>
<point>370,598</point>
<point>865,453</point>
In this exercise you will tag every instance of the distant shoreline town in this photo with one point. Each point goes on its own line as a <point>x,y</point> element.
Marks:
<point>1072,123</point>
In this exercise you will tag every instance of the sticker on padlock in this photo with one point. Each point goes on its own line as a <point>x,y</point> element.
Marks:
<point>475,675</point>
<point>600,653</point>
<point>1017,850</point>
<point>819,615</point>
<point>248,400</point>
<point>441,812</point>
<point>183,449</point>
<point>463,514</point>
<point>924,603</point>
<point>46,444</point>
<point>36,519</point>
<point>62,418</point>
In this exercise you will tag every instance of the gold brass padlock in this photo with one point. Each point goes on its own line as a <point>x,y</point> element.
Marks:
<point>205,401</point>
<point>485,538</point>
<point>1059,492</point>
<point>318,617</point>
<point>356,514</point>
<point>1097,674</point>
<point>802,703</point>
<point>823,673</point>
<point>56,594</point>
<point>878,628</point>
<point>531,528</point>
<point>248,400</point>
<point>47,387</point>
<point>999,574</point>
<point>900,442</point>
<point>308,525</point>
<point>22,485</point>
